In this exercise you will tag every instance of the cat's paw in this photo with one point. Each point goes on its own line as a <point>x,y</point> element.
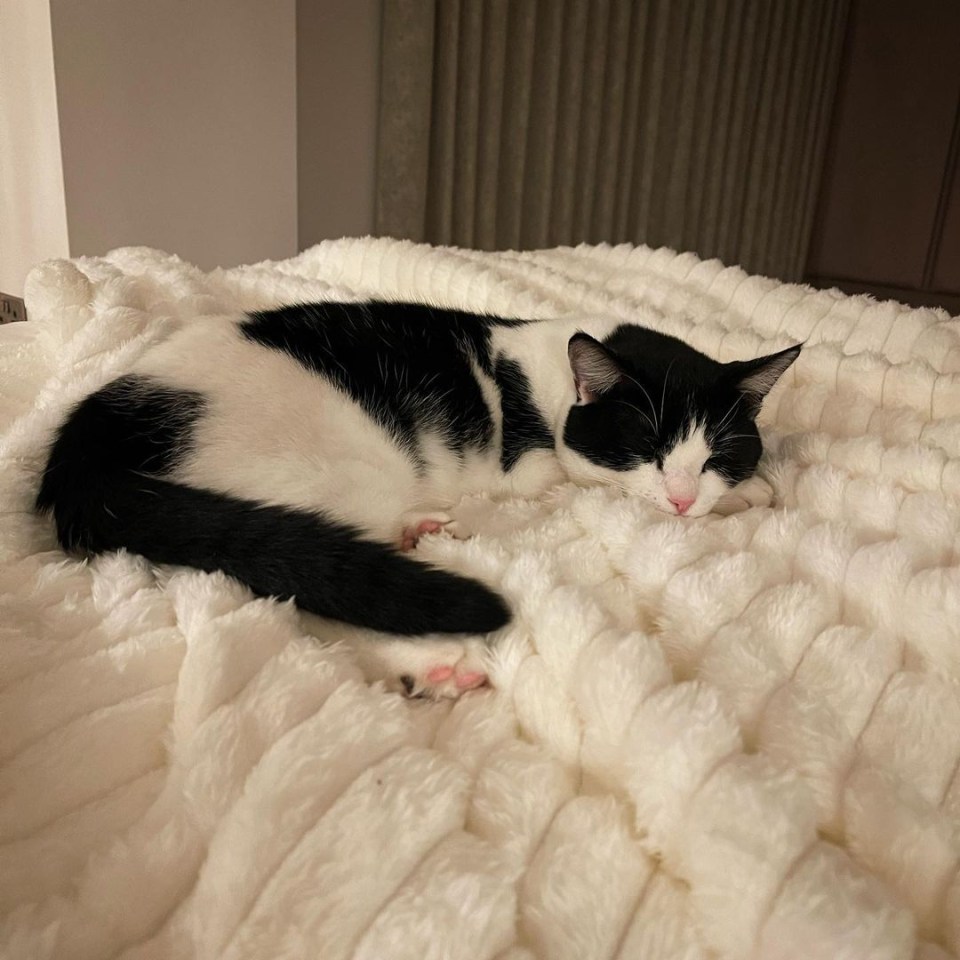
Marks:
<point>417,525</point>
<point>474,515</point>
<point>470,516</point>
<point>426,669</point>
<point>443,682</point>
<point>755,492</point>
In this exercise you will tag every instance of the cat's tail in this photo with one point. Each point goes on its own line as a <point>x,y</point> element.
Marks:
<point>99,485</point>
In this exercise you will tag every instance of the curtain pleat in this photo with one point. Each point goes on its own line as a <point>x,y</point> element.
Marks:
<point>515,121</point>
<point>658,80</point>
<point>492,73</point>
<point>542,126</point>
<point>781,167</point>
<point>704,121</point>
<point>407,122</point>
<point>729,84</point>
<point>751,138</point>
<point>612,122</point>
<point>643,22</point>
<point>569,126</point>
<point>595,79</point>
<point>440,77</point>
<point>699,124</point>
<point>772,130</point>
<point>470,54</point>
<point>820,107</point>
<point>729,179</point>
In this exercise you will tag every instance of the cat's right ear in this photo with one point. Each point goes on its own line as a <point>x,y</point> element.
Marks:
<point>595,369</point>
<point>755,378</point>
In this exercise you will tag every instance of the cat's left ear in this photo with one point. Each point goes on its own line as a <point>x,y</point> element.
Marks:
<point>595,369</point>
<point>755,378</point>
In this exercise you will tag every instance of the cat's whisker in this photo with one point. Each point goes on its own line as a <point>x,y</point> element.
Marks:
<point>663,394</point>
<point>729,414</point>
<point>621,486</point>
<point>633,406</point>
<point>653,409</point>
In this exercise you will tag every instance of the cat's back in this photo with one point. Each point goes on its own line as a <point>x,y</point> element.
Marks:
<point>421,333</point>
<point>307,402</point>
<point>355,345</point>
<point>413,367</point>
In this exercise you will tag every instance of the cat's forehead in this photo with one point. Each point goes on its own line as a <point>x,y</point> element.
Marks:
<point>661,357</point>
<point>688,451</point>
<point>673,406</point>
<point>678,400</point>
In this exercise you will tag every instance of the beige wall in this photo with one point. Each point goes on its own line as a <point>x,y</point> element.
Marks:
<point>181,124</point>
<point>338,54</point>
<point>178,126</point>
<point>33,223</point>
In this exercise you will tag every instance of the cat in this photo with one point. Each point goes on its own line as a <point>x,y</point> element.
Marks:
<point>304,450</point>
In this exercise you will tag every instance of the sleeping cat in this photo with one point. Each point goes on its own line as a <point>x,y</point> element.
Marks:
<point>304,450</point>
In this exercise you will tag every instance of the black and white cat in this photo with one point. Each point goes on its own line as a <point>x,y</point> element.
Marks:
<point>304,450</point>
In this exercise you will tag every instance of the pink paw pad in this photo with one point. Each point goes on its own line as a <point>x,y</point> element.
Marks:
<point>439,674</point>
<point>411,535</point>
<point>428,526</point>
<point>439,669</point>
<point>463,681</point>
<point>470,681</point>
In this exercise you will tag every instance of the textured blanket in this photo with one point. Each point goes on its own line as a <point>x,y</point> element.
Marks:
<point>733,736</point>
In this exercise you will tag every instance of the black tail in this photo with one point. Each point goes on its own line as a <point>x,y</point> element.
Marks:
<point>101,484</point>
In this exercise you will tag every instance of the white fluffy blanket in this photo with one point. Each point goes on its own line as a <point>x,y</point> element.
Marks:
<point>733,737</point>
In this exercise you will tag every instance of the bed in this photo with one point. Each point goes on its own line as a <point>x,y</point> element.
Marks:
<point>730,737</point>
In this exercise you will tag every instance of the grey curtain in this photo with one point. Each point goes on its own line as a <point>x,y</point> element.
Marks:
<point>699,124</point>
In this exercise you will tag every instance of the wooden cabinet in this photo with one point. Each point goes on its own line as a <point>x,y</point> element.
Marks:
<point>888,214</point>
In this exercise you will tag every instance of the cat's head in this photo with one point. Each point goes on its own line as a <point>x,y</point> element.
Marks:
<point>663,421</point>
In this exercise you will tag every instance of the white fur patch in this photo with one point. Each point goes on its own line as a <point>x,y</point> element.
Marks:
<point>690,454</point>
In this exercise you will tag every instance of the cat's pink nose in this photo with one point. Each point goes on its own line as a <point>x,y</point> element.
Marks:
<point>683,504</point>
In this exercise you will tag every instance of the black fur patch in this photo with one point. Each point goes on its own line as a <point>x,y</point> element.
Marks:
<point>407,365</point>
<point>105,484</point>
<point>652,353</point>
<point>523,425</point>
<point>133,426</point>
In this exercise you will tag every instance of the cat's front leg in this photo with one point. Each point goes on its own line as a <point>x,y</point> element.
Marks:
<point>755,492</point>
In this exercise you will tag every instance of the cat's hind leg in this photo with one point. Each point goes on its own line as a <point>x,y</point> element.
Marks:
<point>425,669</point>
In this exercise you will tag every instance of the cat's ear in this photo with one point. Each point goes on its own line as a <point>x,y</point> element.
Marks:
<point>595,369</point>
<point>755,378</point>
